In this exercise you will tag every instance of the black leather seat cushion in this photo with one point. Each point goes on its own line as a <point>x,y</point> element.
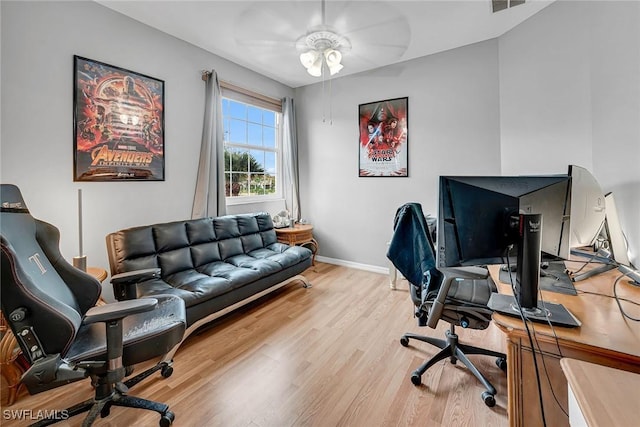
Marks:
<point>166,322</point>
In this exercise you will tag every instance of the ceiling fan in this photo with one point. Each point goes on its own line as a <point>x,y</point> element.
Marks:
<point>324,36</point>
<point>322,46</point>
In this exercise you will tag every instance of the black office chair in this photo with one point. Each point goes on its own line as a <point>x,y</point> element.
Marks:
<point>50,307</point>
<point>457,295</point>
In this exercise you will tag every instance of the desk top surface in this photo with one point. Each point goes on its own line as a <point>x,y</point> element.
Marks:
<point>606,396</point>
<point>603,325</point>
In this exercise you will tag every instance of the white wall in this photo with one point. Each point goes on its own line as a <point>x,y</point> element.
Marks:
<point>453,129</point>
<point>564,81</point>
<point>570,93</point>
<point>39,40</point>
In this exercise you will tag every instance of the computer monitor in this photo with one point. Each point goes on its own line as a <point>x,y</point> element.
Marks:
<point>594,219</point>
<point>478,217</point>
<point>618,243</point>
<point>587,207</point>
<point>614,233</point>
<point>481,217</point>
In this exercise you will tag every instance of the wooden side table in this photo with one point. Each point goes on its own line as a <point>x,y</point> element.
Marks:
<point>301,235</point>
<point>10,367</point>
<point>99,273</point>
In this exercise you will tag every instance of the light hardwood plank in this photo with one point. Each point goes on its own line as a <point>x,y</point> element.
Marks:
<point>325,356</point>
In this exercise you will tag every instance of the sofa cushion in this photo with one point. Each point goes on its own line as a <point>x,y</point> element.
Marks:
<point>200,231</point>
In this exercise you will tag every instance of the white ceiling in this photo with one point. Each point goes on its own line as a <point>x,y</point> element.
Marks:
<point>262,34</point>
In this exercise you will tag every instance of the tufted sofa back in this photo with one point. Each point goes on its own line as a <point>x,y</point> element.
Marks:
<point>187,245</point>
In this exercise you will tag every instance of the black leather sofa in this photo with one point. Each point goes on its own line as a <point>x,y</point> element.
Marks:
<point>214,264</point>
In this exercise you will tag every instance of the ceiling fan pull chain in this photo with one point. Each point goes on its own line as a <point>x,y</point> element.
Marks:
<point>323,96</point>
<point>330,103</point>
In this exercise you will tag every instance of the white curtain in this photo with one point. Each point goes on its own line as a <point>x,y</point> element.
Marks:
<point>209,199</point>
<point>290,158</point>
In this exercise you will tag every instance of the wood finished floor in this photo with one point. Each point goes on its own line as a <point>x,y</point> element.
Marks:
<point>324,356</point>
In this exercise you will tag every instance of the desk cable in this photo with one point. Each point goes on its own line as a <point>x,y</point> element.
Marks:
<point>526,326</point>
<point>585,263</point>
<point>544,365</point>
<point>617,298</point>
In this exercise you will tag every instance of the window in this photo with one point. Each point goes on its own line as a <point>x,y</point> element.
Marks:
<point>252,146</point>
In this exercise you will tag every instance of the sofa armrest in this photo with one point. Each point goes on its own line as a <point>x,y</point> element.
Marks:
<point>124,283</point>
<point>136,276</point>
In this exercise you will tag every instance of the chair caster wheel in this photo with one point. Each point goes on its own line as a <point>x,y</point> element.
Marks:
<point>404,341</point>
<point>489,400</point>
<point>416,379</point>
<point>105,411</point>
<point>167,419</point>
<point>166,371</point>
<point>501,362</point>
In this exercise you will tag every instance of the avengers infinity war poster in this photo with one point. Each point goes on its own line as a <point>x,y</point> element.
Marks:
<point>383,138</point>
<point>118,124</point>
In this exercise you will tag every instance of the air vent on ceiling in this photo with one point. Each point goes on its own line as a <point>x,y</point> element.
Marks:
<point>499,5</point>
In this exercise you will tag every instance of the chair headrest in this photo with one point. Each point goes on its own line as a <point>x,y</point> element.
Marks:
<point>11,199</point>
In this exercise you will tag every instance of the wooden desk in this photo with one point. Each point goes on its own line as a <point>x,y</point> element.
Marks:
<point>300,234</point>
<point>602,396</point>
<point>605,338</point>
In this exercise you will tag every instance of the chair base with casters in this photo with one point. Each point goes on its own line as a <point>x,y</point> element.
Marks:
<point>456,295</point>
<point>106,396</point>
<point>454,350</point>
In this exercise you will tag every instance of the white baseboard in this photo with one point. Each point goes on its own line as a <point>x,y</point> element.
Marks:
<point>357,265</point>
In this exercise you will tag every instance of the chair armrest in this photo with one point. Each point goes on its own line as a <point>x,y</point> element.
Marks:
<point>119,310</point>
<point>449,275</point>
<point>136,276</point>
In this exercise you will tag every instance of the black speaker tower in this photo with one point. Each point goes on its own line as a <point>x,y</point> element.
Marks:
<point>528,264</point>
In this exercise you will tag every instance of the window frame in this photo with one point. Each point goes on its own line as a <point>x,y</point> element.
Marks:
<point>252,99</point>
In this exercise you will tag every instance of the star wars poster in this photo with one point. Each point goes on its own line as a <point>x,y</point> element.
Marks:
<point>383,138</point>
<point>118,124</point>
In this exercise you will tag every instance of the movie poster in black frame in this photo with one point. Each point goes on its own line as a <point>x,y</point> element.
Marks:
<point>118,124</point>
<point>383,142</point>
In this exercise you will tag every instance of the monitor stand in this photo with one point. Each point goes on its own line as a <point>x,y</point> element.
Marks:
<point>601,256</point>
<point>553,277</point>
<point>547,312</point>
<point>528,278</point>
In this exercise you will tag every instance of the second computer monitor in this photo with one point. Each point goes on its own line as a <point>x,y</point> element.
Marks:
<point>479,222</point>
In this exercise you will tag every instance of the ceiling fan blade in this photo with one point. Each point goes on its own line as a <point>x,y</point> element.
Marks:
<point>266,43</point>
<point>368,25</point>
<point>252,18</point>
<point>387,26</point>
<point>369,60</point>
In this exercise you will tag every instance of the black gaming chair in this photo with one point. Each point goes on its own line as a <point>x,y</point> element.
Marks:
<point>457,295</point>
<point>50,307</point>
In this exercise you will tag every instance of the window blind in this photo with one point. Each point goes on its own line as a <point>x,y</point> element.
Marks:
<point>237,93</point>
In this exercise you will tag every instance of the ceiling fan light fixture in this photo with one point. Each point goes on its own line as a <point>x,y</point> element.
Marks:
<point>322,46</point>
<point>334,69</point>
<point>316,69</point>
<point>309,58</point>
<point>333,57</point>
